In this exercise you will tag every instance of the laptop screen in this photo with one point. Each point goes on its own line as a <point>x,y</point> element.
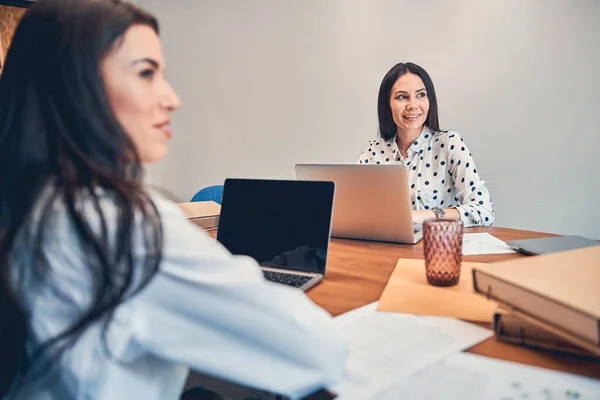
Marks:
<point>281,224</point>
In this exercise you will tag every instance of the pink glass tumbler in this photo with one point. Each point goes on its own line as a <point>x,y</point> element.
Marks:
<point>442,248</point>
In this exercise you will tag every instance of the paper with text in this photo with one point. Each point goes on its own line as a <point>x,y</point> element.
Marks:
<point>468,376</point>
<point>386,347</point>
<point>483,243</point>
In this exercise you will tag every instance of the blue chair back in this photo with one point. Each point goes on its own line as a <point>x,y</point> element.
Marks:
<point>214,193</point>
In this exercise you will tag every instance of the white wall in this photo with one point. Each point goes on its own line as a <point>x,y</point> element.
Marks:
<point>267,84</point>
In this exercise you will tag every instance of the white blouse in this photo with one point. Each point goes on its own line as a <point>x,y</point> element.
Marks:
<point>204,309</point>
<point>442,174</point>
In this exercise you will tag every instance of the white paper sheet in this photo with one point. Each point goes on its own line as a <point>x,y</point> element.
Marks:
<point>385,347</point>
<point>483,243</point>
<point>468,376</point>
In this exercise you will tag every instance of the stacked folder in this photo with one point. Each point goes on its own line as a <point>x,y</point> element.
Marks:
<point>550,301</point>
<point>510,328</point>
<point>202,213</point>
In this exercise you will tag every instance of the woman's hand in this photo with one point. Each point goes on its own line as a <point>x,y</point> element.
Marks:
<point>419,216</point>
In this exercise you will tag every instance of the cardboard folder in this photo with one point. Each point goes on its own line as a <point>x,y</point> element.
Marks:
<point>202,213</point>
<point>407,291</point>
<point>558,292</point>
<point>509,328</point>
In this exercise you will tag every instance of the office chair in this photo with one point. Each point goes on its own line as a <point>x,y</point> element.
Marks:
<point>200,387</point>
<point>214,193</point>
<point>199,393</point>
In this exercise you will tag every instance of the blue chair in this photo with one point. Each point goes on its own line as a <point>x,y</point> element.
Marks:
<point>214,193</point>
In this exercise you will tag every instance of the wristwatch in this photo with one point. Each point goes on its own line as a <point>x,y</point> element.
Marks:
<point>439,212</point>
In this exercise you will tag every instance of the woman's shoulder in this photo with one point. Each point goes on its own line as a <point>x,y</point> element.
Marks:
<point>99,206</point>
<point>447,135</point>
<point>165,203</point>
<point>111,205</point>
<point>449,138</point>
<point>379,142</point>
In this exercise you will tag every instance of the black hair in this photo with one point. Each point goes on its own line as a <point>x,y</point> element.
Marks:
<point>58,131</point>
<point>387,126</point>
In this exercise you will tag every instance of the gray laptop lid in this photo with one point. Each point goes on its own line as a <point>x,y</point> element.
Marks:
<point>551,244</point>
<point>372,202</point>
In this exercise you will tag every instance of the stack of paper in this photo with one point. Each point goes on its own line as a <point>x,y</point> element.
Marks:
<point>386,347</point>
<point>205,214</point>
<point>468,376</point>
<point>483,243</point>
<point>402,356</point>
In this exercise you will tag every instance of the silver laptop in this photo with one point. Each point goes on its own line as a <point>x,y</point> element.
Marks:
<point>551,244</point>
<point>284,225</point>
<point>372,202</point>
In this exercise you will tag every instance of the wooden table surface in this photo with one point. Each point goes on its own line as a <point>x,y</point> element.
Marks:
<point>357,272</point>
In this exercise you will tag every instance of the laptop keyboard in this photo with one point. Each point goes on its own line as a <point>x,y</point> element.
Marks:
<point>286,279</point>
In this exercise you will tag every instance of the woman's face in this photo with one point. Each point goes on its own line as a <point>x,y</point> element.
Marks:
<point>140,96</point>
<point>409,102</point>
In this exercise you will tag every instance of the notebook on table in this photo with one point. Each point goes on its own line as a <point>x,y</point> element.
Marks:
<point>551,244</point>
<point>205,214</point>
<point>509,328</point>
<point>284,225</point>
<point>372,202</point>
<point>556,292</point>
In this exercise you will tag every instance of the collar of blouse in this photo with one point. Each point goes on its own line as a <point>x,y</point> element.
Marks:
<point>419,144</point>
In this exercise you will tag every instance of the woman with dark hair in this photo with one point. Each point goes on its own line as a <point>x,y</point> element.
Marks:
<point>444,181</point>
<point>106,290</point>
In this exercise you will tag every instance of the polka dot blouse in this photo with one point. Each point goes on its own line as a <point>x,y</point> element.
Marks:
<point>441,174</point>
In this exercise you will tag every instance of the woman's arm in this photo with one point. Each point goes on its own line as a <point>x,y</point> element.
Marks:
<point>475,207</point>
<point>379,151</point>
<point>216,313</point>
<point>366,155</point>
<point>419,216</point>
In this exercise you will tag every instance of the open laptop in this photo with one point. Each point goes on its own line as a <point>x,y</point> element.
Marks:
<point>551,244</point>
<point>372,202</point>
<point>284,225</point>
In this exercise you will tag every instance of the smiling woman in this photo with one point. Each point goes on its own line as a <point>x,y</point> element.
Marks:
<point>444,181</point>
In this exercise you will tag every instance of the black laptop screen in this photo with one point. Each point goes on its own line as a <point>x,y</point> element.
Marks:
<point>281,224</point>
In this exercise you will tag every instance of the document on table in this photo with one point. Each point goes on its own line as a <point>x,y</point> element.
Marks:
<point>468,376</point>
<point>483,243</point>
<point>386,347</point>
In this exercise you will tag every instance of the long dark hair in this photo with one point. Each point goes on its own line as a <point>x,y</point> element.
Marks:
<point>57,131</point>
<point>387,126</point>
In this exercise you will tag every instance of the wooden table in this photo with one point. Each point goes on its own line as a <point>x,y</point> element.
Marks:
<point>357,272</point>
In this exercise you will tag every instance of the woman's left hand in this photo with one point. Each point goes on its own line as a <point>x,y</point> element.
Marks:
<point>421,215</point>
<point>418,216</point>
